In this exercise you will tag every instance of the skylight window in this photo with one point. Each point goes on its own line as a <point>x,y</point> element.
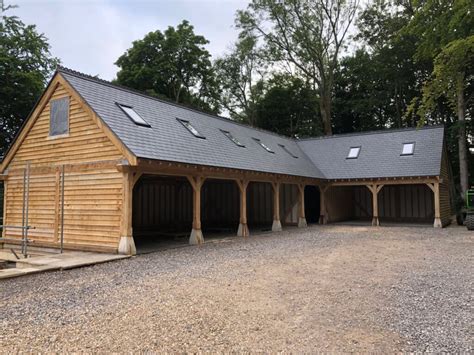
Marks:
<point>408,148</point>
<point>191,128</point>
<point>232,138</point>
<point>133,115</point>
<point>263,145</point>
<point>288,151</point>
<point>353,153</point>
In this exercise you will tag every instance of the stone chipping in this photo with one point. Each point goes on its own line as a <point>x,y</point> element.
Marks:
<point>322,288</point>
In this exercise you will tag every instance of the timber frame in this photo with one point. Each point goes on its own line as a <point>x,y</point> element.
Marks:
<point>127,169</point>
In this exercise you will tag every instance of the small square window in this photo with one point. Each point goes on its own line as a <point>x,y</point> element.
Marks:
<point>263,145</point>
<point>191,128</point>
<point>353,153</point>
<point>288,151</point>
<point>408,149</point>
<point>133,115</point>
<point>232,138</point>
<point>59,117</point>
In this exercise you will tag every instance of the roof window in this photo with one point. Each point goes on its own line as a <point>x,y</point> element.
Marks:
<point>191,128</point>
<point>133,115</point>
<point>353,153</point>
<point>408,148</point>
<point>288,151</point>
<point>232,138</point>
<point>263,145</point>
<point>59,117</point>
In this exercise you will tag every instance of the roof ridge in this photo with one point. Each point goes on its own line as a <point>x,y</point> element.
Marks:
<point>60,68</point>
<point>378,131</point>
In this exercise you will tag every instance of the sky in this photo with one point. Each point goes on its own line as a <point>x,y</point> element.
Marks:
<point>89,35</point>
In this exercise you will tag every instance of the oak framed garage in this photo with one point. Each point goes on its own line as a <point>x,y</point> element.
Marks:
<point>107,164</point>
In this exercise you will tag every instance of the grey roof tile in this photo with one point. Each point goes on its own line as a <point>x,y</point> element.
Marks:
<point>167,139</point>
<point>380,153</point>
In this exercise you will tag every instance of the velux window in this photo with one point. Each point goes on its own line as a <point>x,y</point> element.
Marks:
<point>59,117</point>
<point>133,115</point>
<point>288,151</point>
<point>408,148</point>
<point>263,145</point>
<point>191,128</point>
<point>232,138</point>
<point>353,153</point>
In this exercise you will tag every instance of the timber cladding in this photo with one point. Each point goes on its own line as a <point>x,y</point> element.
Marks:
<point>93,187</point>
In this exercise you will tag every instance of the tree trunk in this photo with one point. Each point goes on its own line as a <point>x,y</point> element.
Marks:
<point>463,156</point>
<point>325,107</point>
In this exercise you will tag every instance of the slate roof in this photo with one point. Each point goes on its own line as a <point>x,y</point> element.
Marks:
<point>380,153</point>
<point>167,139</point>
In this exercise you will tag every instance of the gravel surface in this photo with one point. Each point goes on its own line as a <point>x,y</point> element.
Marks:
<point>327,288</point>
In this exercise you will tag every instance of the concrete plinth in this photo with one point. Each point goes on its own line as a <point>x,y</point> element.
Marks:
<point>196,237</point>
<point>437,223</point>
<point>276,226</point>
<point>243,230</point>
<point>302,222</point>
<point>375,222</point>
<point>127,246</point>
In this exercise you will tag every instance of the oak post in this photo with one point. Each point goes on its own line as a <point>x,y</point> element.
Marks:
<point>196,236</point>
<point>243,230</point>
<point>276,226</point>
<point>301,212</point>
<point>375,189</point>
<point>437,221</point>
<point>127,244</point>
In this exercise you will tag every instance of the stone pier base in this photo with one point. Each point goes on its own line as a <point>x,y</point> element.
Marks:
<point>196,237</point>
<point>302,222</point>
<point>243,230</point>
<point>276,226</point>
<point>127,246</point>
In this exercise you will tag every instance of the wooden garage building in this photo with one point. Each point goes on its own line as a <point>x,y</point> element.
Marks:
<point>97,166</point>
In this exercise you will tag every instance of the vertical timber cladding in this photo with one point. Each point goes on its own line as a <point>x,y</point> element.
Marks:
<point>410,203</point>
<point>260,204</point>
<point>93,196</point>
<point>161,204</point>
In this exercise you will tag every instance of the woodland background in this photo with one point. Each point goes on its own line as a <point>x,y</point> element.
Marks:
<point>299,68</point>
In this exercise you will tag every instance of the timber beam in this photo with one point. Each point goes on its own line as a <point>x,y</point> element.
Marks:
<point>158,167</point>
<point>323,215</point>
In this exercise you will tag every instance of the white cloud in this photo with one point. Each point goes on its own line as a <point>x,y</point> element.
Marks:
<point>89,36</point>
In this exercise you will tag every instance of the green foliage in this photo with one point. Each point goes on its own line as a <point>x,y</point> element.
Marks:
<point>305,37</point>
<point>289,107</point>
<point>25,65</point>
<point>174,65</point>
<point>241,74</point>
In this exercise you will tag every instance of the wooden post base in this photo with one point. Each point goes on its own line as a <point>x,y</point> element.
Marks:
<point>375,222</point>
<point>437,223</point>
<point>127,246</point>
<point>196,237</point>
<point>323,219</point>
<point>276,226</point>
<point>243,230</point>
<point>302,222</point>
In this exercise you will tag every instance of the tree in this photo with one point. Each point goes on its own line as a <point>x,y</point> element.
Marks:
<point>445,30</point>
<point>305,35</point>
<point>289,107</point>
<point>173,65</point>
<point>453,73</point>
<point>241,75</point>
<point>25,66</point>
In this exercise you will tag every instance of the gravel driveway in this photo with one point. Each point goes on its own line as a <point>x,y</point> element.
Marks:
<point>329,288</point>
